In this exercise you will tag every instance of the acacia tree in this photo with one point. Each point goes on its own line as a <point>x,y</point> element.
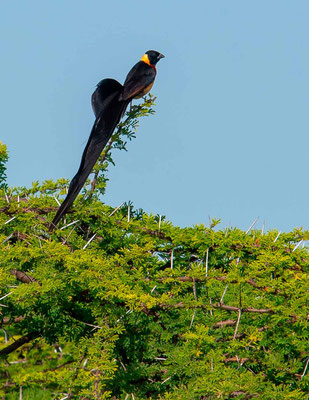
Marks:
<point>118,304</point>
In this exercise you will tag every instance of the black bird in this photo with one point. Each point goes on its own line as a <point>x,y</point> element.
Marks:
<point>109,103</point>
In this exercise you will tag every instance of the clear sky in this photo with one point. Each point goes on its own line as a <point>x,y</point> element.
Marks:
<point>230,135</point>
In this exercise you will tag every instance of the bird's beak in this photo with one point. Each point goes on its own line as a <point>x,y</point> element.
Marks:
<point>160,56</point>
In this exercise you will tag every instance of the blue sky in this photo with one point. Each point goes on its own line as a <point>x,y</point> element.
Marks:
<point>230,135</point>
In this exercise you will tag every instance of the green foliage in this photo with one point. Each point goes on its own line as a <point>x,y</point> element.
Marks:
<point>3,159</point>
<point>118,304</point>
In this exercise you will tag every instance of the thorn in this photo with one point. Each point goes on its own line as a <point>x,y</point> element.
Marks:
<point>206,263</point>
<point>116,209</point>
<point>237,324</point>
<point>57,201</point>
<point>8,238</point>
<point>298,244</point>
<point>3,297</point>
<point>89,241</point>
<point>221,301</point>
<point>66,239</point>
<point>252,225</point>
<point>227,229</point>
<point>71,223</point>
<point>193,316</point>
<point>9,220</point>
<point>305,369</point>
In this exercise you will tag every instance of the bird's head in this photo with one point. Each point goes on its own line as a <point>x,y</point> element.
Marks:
<point>151,57</point>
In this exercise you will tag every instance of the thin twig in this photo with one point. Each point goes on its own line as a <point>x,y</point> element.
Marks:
<point>5,336</point>
<point>86,323</point>
<point>66,239</point>
<point>96,384</point>
<point>194,289</point>
<point>123,366</point>
<point>107,149</point>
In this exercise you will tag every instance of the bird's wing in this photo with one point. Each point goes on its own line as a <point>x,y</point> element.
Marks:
<point>104,89</point>
<point>102,130</point>
<point>140,77</point>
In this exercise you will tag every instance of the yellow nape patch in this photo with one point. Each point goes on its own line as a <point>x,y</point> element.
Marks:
<point>145,59</point>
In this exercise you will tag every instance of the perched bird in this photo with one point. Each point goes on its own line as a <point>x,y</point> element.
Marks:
<point>109,103</point>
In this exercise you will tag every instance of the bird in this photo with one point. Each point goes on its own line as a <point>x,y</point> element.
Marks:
<point>109,102</point>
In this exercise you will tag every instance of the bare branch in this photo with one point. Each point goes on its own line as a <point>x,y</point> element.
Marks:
<point>19,342</point>
<point>23,277</point>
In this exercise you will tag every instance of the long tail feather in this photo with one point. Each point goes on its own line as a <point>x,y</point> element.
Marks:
<point>105,88</point>
<point>110,112</point>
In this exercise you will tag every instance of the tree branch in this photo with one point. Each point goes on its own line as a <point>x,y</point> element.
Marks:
<point>218,305</point>
<point>23,277</point>
<point>19,342</point>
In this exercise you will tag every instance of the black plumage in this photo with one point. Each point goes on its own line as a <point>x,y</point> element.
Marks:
<point>109,102</point>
